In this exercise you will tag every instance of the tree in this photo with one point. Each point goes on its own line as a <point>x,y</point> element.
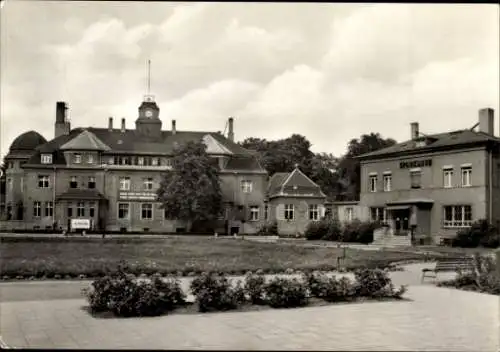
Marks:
<point>191,191</point>
<point>349,167</point>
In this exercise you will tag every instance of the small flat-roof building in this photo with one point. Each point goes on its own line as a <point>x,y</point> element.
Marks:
<point>433,185</point>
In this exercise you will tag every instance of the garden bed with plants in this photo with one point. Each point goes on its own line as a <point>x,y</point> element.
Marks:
<point>483,278</point>
<point>125,295</point>
<point>79,258</point>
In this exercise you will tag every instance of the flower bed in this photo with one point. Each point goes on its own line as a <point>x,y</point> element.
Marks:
<point>125,295</point>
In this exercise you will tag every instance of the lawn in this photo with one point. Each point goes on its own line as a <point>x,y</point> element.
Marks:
<point>93,256</point>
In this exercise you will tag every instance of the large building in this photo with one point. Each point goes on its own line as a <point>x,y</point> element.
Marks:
<point>108,178</point>
<point>434,185</point>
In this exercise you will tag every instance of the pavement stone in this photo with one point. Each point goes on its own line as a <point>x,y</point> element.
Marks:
<point>437,319</point>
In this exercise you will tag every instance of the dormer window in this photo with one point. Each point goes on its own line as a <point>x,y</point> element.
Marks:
<point>140,161</point>
<point>90,159</point>
<point>78,158</point>
<point>46,158</point>
<point>154,161</point>
<point>420,143</point>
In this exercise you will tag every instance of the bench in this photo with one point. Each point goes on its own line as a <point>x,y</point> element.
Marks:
<point>449,264</point>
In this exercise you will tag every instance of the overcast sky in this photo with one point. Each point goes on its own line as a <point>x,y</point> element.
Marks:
<point>328,71</point>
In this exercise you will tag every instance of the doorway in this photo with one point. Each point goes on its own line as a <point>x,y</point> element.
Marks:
<point>401,221</point>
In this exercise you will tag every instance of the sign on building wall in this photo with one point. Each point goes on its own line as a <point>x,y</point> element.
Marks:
<point>80,224</point>
<point>415,163</point>
<point>151,196</point>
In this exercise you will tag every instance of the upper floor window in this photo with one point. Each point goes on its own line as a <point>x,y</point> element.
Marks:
<point>387,183</point>
<point>73,182</point>
<point>246,186</point>
<point>124,183</point>
<point>92,209</point>
<point>147,161</point>
<point>80,209</point>
<point>155,161</point>
<point>466,176</point>
<point>78,158</point>
<point>9,183</point>
<point>146,211</point>
<point>457,216</point>
<point>349,212</point>
<point>10,165</point>
<point>148,183</point>
<point>254,213</point>
<point>373,183</point>
<point>140,161</point>
<point>90,159</point>
<point>43,181</point>
<point>313,212</point>
<point>91,183</point>
<point>448,178</point>
<point>46,158</point>
<point>416,178</point>
<point>69,210</point>
<point>37,209</point>
<point>289,212</point>
<point>266,212</point>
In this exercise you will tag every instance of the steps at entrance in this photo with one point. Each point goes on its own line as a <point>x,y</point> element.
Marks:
<point>384,238</point>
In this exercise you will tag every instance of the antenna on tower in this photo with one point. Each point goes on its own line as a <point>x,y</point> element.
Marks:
<point>149,97</point>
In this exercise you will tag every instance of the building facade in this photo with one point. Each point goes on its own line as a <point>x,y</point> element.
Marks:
<point>108,177</point>
<point>433,185</point>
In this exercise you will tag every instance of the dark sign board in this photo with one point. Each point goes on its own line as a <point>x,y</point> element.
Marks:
<point>415,163</point>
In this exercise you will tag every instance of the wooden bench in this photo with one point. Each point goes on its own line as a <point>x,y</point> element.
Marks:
<point>449,264</point>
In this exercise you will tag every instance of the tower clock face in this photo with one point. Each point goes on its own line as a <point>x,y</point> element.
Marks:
<point>149,113</point>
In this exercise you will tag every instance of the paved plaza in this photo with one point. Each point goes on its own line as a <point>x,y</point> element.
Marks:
<point>52,315</point>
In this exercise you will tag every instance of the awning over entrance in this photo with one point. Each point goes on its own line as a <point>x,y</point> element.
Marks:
<point>409,202</point>
<point>81,194</point>
<point>398,207</point>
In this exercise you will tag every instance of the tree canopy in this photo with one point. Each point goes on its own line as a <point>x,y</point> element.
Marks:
<point>191,191</point>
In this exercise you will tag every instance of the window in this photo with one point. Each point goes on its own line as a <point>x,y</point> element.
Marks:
<point>387,183</point>
<point>9,183</point>
<point>148,183</point>
<point>466,176</point>
<point>37,209</point>
<point>373,183</point>
<point>70,210</point>
<point>43,181</point>
<point>378,214</point>
<point>78,158</point>
<point>448,178</point>
<point>266,212</point>
<point>246,186</point>
<point>73,182</point>
<point>416,178</point>
<point>49,209</point>
<point>146,211</point>
<point>154,161</point>
<point>349,213</point>
<point>147,161</point>
<point>46,158</point>
<point>140,161</point>
<point>289,213</point>
<point>91,183</point>
<point>254,213</point>
<point>80,209</point>
<point>90,159</point>
<point>457,216</point>
<point>124,183</point>
<point>123,210</point>
<point>91,209</point>
<point>313,212</point>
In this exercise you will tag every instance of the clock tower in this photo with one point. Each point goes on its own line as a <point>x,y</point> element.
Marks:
<point>148,123</point>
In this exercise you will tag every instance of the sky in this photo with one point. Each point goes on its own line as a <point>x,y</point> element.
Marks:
<point>330,72</point>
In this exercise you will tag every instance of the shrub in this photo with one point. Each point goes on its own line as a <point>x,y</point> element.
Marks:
<point>286,293</point>
<point>339,290</point>
<point>268,229</point>
<point>214,293</point>
<point>480,233</point>
<point>316,283</point>
<point>326,229</point>
<point>375,283</point>
<point>255,288</point>
<point>359,231</point>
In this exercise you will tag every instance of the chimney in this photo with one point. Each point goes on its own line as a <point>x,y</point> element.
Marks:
<point>62,125</point>
<point>174,130</point>
<point>414,130</point>
<point>230,134</point>
<point>123,125</point>
<point>487,121</point>
<point>110,124</point>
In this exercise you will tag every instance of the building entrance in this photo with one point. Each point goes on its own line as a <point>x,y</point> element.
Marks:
<point>401,219</point>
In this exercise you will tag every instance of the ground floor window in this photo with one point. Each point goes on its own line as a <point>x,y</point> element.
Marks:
<point>146,211</point>
<point>254,213</point>
<point>49,209</point>
<point>266,212</point>
<point>37,209</point>
<point>123,210</point>
<point>69,210</point>
<point>289,212</point>
<point>80,209</point>
<point>457,216</point>
<point>313,212</point>
<point>378,214</point>
<point>91,209</point>
<point>349,213</point>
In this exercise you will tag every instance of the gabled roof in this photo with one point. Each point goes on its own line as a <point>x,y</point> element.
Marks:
<point>214,146</point>
<point>435,142</point>
<point>294,183</point>
<point>85,141</point>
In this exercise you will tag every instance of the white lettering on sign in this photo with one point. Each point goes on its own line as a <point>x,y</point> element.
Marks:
<point>82,224</point>
<point>137,195</point>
